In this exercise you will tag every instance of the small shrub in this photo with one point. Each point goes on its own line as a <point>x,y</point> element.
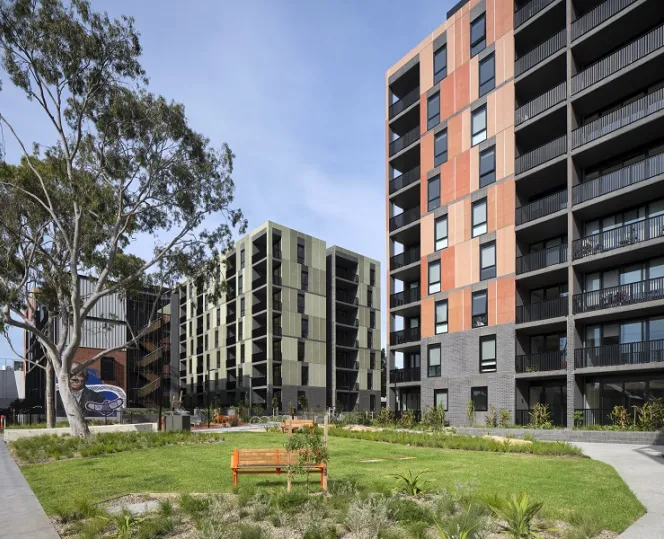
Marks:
<point>366,518</point>
<point>650,415</point>
<point>409,484</point>
<point>578,418</point>
<point>470,412</point>
<point>468,524</point>
<point>154,527</point>
<point>77,510</point>
<point>320,530</point>
<point>384,418</point>
<point>250,531</point>
<point>518,514</point>
<point>405,510</point>
<point>166,508</point>
<point>491,418</point>
<point>504,418</point>
<point>620,417</point>
<point>540,416</point>
<point>407,420</point>
<point>193,506</point>
<point>434,417</point>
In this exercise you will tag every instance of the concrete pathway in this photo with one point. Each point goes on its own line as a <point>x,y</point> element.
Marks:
<point>21,515</point>
<point>642,468</point>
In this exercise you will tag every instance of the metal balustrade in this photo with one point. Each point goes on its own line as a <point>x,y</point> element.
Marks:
<point>404,336</point>
<point>542,310</point>
<point>619,296</point>
<point>540,53</point>
<point>619,179</point>
<point>404,179</point>
<point>541,155</point>
<point>612,355</point>
<point>617,238</point>
<point>618,60</point>
<point>542,207</point>
<point>404,259</point>
<point>400,376</point>
<point>541,103</point>
<point>624,116</point>
<point>404,141</point>
<point>405,218</point>
<point>598,15</point>
<point>544,361</point>
<point>529,10</point>
<point>541,259</point>
<point>405,297</point>
<point>406,101</point>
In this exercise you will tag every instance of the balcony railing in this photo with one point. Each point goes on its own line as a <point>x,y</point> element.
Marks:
<point>347,298</point>
<point>276,305</point>
<point>404,180</point>
<point>406,101</point>
<point>348,342</point>
<point>558,417</point>
<point>542,362</point>
<point>398,376</point>
<point>619,179</point>
<point>343,273</point>
<point>543,310</point>
<point>259,381</point>
<point>541,155</point>
<point>619,296</point>
<point>597,16</point>
<point>540,53</point>
<point>348,320</point>
<point>591,417</point>
<point>350,365</point>
<point>618,60</point>
<point>404,218</point>
<point>348,386</point>
<point>541,208</point>
<point>404,336</point>
<point>259,332</point>
<point>612,355</point>
<point>617,238</point>
<point>639,109</point>
<point>541,104</point>
<point>258,357</point>
<point>404,259</point>
<point>404,298</point>
<point>404,141</point>
<point>258,307</point>
<point>528,11</point>
<point>541,259</point>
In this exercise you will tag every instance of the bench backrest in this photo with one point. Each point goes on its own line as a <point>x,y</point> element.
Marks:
<point>263,457</point>
<point>300,422</point>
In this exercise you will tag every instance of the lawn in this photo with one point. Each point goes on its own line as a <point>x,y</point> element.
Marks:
<point>566,485</point>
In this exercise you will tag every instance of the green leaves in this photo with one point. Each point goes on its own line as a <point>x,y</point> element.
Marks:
<point>410,484</point>
<point>518,514</point>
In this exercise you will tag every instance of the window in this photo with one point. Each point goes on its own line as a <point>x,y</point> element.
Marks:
<point>433,111</point>
<point>440,398</point>
<point>369,298</point>
<point>300,302</point>
<point>240,288</point>
<point>441,317</point>
<point>370,339</point>
<point>487,167</point>
<point>241,306</point>
<point>216,338</point>
<point>433,357</point>
<point>440,148</point>
<point>300,251</point>
<point>369,380</point>
<point>488,353</point>
<point>372,360</point>
<point>305,328</point>
<point>479,310</point>
<point>478,125</point>
<point>479,218</point>
<point>372,276</point>
<point>434,277</point>
<point>239,330</point>
<point>477,35</point>
<point>305,279</point>
<point>241,354</point>
<point>433,193</point>
<point>440,233</point>
<point>440,64</point>
<point>219,316</point>
<point>107,368</point>
<point>300,351</point>
<point>372,403</point>
<point>372,319</point>
<point>480,398</point>
<point>305,374</point>
<point>487,74</point>
<point>487,261</point>
<point>242,259</point>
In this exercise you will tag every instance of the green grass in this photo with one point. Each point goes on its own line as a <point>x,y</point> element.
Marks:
<point>569,487</point>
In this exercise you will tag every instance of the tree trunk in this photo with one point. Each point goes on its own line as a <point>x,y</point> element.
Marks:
<point>50,395</point>
<point>75,415</point>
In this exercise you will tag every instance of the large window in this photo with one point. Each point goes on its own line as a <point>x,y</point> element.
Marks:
<point>300,251</point>
<point>440,64</point>
<point>440,233</point>
<point>300,350</point>
<point>477,35</point>
<point>433,358</point>
<point>305,279</point>
<point>242,262</point>
<point>107,368</point>
<point>433,111</point>
<point>305,328</point>
<point>242,307</point>
<point>487,261</point>
<point>434,277</point>
<point>440,148</point>
<point>488,167</point>
<point>478,126</point>
<point>480,398</point>
<point>479,218</point>
<point>488,353</point>
<point>433,190</point>
<point>441,317</point>
<point>480,317</point>
<point>372,319</point>
<point>440,399</point>
<point>487,74</point>
<point>240,285</point>
<point>300,302</point>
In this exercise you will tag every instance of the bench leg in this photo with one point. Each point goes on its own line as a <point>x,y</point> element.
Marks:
<point>234,479</point>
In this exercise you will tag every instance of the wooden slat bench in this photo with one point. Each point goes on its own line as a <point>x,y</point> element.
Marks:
<point>271,461</point>
<point>298,424</point>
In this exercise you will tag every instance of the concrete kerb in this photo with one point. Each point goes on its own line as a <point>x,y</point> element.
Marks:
<point>569,435</point>
<point>11,435</point>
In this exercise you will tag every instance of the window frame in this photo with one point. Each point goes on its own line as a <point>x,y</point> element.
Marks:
<point>479,44</point>
<point>300,258</point>
<point>304,327</point>
<point>301,350</point>
<point>488,177</point>
<point>433,286</point>
<point>478,318</point>
<point>242,259</point>
<point>433,203</point>
<point>475,392</point>
<point>372,319</point>
<point>304,282</point>
<point>441,323</point>
<point>475,136</point>
<point>434,371</point>
<point>242,306</point>
<point>302,295</point>
<point>483,360</point>
<point>440,157</point>
<point>481,227</point>
<point>240,285</point>
<point>104,368</point>
<point>488,272</point>
<point>489,84</point>
<point>441,392</point>
<point>443,239</point>
<point>433,117</point>
<point>442,72</point>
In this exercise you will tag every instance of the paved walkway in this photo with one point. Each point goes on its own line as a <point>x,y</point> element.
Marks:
<point>21,515</point>
<point>642,468</point>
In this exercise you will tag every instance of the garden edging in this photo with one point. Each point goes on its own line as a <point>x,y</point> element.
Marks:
<point>569,435</point>
<point>11,435</point>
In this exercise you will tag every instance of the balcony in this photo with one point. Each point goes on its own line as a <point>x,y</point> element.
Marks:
<point>617,238</point>
<point>528,11</point>
<point>277,331</point>
<point>541,208</point>
<point>406,101</point>
<point>404,259</point>
<point>347,342</point>
<point>541,259</point>
<point>348,365</point>
<point>541,155</point>
<point>404,298</point>
<point>230,340</point>
<point>276,280</point>
<point>276,253</point>
<point>543,310</point>
<point>259,381</point>
<point>597,16</point>
<point>276,305</point>
<point>404,336</point>
<point>343,273</point>
<point>405,218</point>
<point>258,255</point>
<point>618,119</point>
<point>404,180</point>
<point>618,60</point>
<point>619,179</point>
<point>404,141</point>
<point>613,355</point>
<point>276,356</point>
<point>347,320</point>
<point>400,376</point>
<point>540,53</point>
<point>542,362</point>
<point>347,298</point>
<point>259,307</point>
<point>259,332</point>
<point>348,386</point>
<point>619,296</point>
<point>540,104</point>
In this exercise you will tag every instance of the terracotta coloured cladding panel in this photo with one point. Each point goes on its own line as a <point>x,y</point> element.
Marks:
<point>426,235</point>
<point>447,96</point>
<point>462,175</point>
<point>474,153</point>
<point>462,87</point>
<point>506,300</point>
<point>455,311</point>
<point>504,58</point>
<point>467,225</point>
<point>504,17</point>
<point>467,309</point>
<point>474,76</point>
<point>504,107</point>
<point>427,313</point>
<point>462,38</point>
<point>506,199</point>
<point>490,21</point>
<point>505,250</point>
<point>491,208</point>
<point>447,182</point>
<point>426,155</point>
<point>426,68</point>
<point>491,303</point>
<point>462,264</point>
<point>424,277</point>
<point>451,50</point>
<point>465,130</point>
<point>447,268</point>
<point>491,114</point>
<point>423,113</point>
<point>454,135</point>
<point>455,220</point>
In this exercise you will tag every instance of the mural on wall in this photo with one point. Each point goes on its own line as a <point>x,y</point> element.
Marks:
<point>94,397</point>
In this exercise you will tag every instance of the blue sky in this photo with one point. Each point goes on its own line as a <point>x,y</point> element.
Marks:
<point>296,88</point>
